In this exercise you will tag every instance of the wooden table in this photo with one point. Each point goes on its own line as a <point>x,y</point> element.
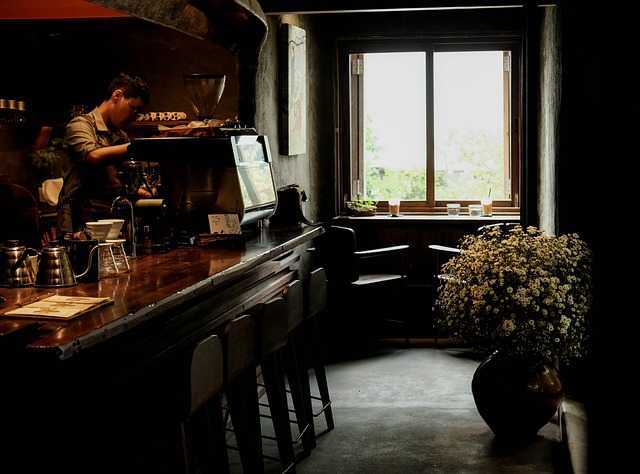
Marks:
<point>72,383</point>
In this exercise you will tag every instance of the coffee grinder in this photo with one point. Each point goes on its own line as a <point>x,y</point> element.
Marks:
<point>204,91</point>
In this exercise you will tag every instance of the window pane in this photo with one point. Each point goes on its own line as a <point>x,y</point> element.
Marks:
<point>395,126</point>
<point>469,122</point>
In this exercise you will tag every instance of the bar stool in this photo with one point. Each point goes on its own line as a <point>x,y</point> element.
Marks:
<point>272,323</point>
<point>296,367</point>
<point>316,301</point>
<point>253,342</point>
<point>239,387</point>
<point>201,429</point>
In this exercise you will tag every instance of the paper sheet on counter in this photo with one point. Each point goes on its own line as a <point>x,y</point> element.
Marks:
<point>60,307</point>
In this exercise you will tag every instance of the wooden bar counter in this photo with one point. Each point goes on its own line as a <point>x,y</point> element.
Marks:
<point>95,393</point>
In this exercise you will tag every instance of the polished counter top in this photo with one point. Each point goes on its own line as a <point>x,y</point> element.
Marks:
<point>156,284</point>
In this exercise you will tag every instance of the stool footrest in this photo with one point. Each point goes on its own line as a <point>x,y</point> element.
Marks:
<point>324,407</point>
<point>292,421</point>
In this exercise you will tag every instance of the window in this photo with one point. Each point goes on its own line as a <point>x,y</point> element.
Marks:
<point>430,122</point>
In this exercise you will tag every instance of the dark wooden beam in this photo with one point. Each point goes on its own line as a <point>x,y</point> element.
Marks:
<point>54,10</point>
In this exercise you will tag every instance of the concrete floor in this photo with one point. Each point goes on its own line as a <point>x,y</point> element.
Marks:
<point>401,409</point>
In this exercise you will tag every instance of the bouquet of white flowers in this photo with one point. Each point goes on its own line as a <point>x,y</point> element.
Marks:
<point>518,292</point>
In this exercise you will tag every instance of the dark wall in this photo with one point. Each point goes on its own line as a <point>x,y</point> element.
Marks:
<point>595,149</point>
<point>58,63</point>
<point>315,169</point>
<point>54,64</point>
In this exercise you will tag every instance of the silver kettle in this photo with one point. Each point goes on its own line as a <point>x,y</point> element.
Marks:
<point>55,268</point>
<point>15,266</point>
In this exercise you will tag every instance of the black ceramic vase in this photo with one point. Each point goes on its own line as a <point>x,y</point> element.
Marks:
<point>516,397</point>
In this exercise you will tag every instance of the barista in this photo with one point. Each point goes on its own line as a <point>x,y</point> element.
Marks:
<point>96,146</point>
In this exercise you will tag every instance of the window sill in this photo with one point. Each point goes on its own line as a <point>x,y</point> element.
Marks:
<point>441,218</point>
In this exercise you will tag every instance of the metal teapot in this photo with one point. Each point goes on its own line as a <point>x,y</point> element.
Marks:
<point>55,268</point>
<point>15,266</point>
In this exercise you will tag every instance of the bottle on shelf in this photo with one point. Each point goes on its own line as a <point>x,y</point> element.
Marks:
<point>4,111</point>
<point>147,247</point>
<point>21,112</point>
<point>12,111</point>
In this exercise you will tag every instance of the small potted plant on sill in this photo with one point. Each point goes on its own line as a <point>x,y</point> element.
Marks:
<point>362,207</point>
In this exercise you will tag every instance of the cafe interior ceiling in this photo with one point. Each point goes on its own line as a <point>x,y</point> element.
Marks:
<point>282,7</point>
<point>237,25</point>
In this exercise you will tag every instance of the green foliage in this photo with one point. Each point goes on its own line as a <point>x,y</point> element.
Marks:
<point>363,205</point>
<point>409,185</point>
<point>476,168</point>
<point>382,182</point>
<point>46,159</point>
<point>479,164</point>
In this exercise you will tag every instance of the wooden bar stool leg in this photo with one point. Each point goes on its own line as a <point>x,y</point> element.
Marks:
<point>240,390</point>
<point>298,377</point>
<point>296,366</point>
<point>273,324</point>
<point>210,444</point>
<point>274,380</point>
<point>201,430</point>
<point>245,419</point>
<point>320,373</point>
<point>316,301</point>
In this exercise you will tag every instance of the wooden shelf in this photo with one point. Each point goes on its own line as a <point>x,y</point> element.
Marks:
<point>154,125</point>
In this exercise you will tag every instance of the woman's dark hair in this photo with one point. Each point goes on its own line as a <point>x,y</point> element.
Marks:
<point>132,87</point>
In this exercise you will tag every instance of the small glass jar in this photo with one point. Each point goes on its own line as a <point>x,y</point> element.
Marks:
<point>475,210</point>
<point>453,209</point>
<point>119,255</point>
<point>106,262</point>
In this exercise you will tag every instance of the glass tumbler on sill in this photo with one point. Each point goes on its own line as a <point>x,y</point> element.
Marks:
<point>120,256</point>
<point>453,209</point>
<point>475,210</point>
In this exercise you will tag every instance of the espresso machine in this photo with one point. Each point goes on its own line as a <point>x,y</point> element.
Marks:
<point>222,175</point>
<point>207,176</point>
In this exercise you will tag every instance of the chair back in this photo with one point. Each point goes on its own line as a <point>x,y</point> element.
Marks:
<point>273,326</point>
<point>504,226</point>
<point>444,252</point>
<point>336,249</point>
<point>317,292</point>
<point>293,294</point>
<point>239,344</point>
<point>206,372</point>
